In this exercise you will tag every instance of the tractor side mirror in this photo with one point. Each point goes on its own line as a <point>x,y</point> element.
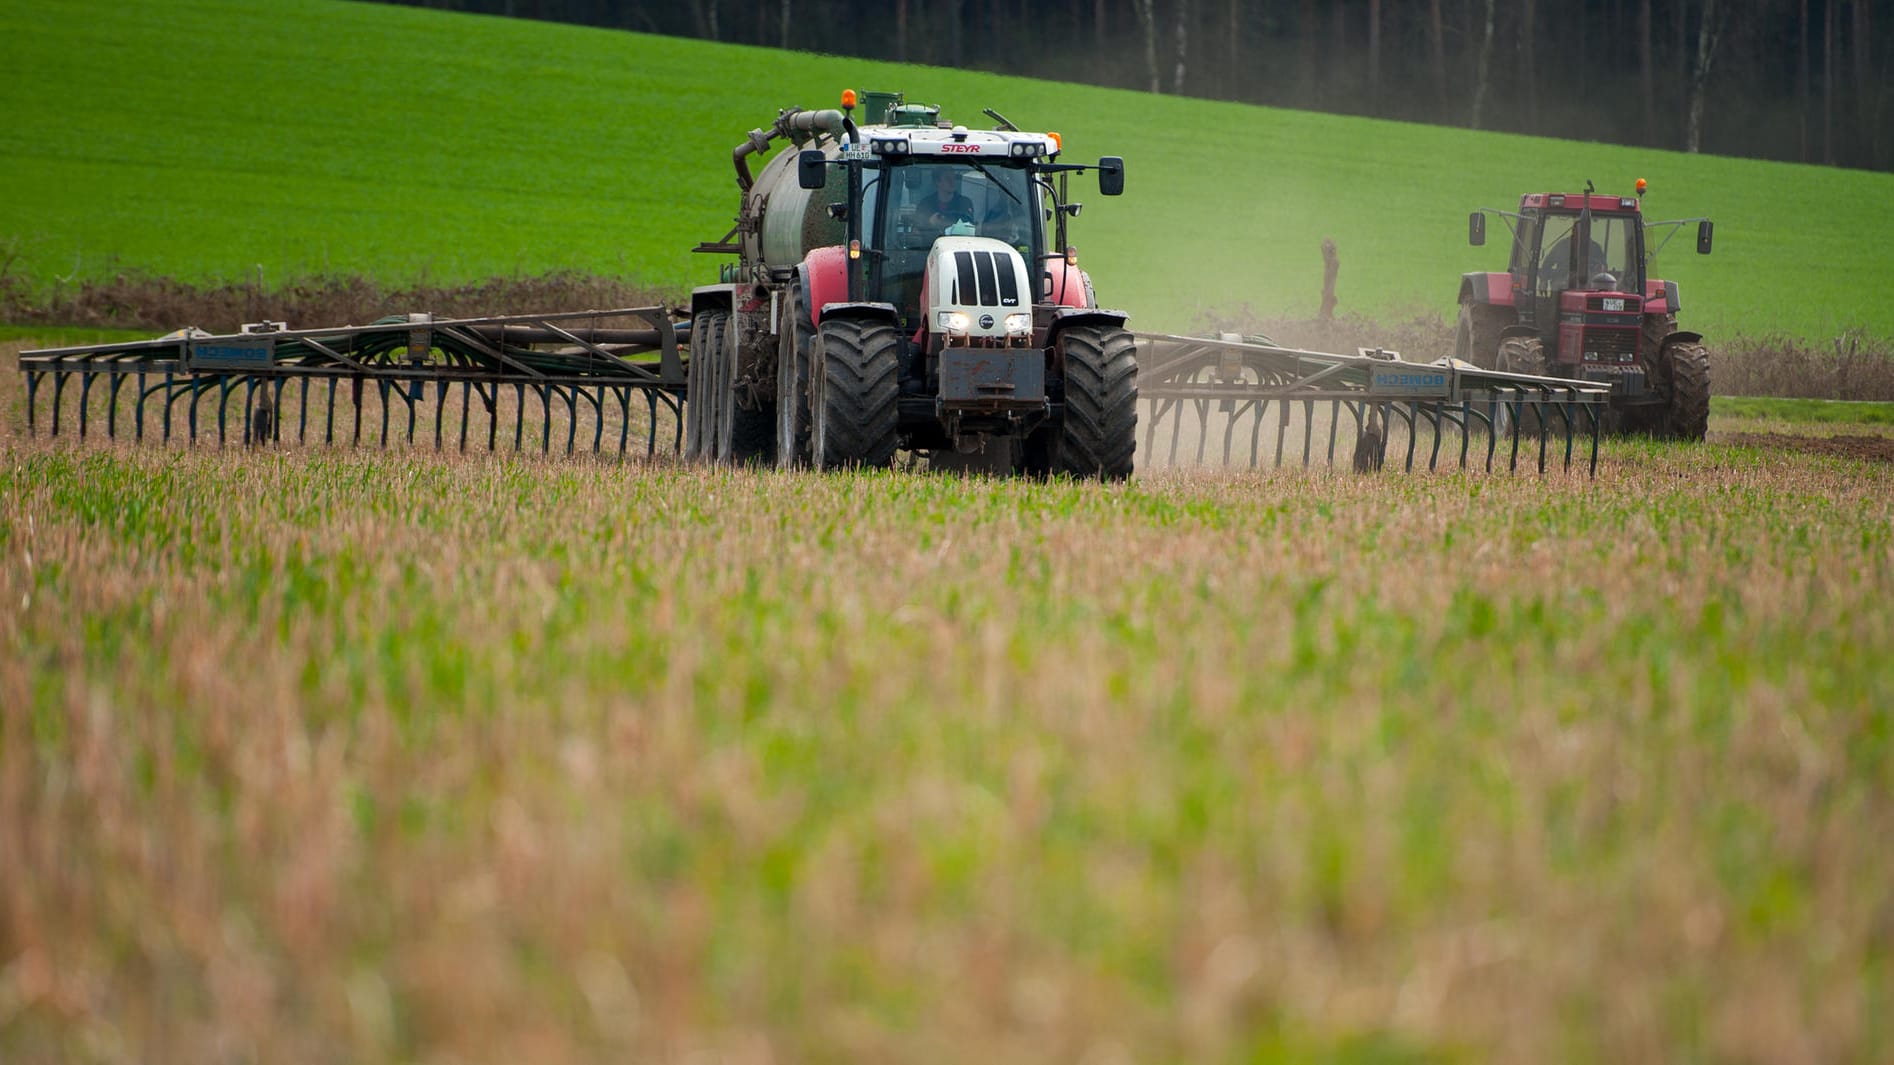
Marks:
<point>1704,231</point>
<point>812,169</point>
<point>1476,229</point>
<point>1111,176</point>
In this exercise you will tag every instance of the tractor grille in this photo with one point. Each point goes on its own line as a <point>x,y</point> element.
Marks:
<point>1611,345</point>
<point>983,279</point>
<point>1630,304</point>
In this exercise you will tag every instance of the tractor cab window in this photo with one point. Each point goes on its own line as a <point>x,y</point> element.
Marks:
<point>1555,261</point>
<point>927,200</point>
<point>1605,261</point>
<point>1614,240</point>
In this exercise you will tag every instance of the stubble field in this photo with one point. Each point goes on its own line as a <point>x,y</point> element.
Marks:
<point>352,756</point>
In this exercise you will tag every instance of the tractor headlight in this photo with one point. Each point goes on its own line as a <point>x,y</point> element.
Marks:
<point>1018,325</point>
<point>954,322</point>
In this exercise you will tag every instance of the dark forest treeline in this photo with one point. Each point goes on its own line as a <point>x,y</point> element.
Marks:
<point>1798,80</point>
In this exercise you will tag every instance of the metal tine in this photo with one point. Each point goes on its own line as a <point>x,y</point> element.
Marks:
<point>544,392</point>
<point>111,406</point>
<point>519,417</point>
<point>1203,427</point>
<point>1406,411</point>
<point>59,390</point>
<point>381,386</point>
<point>440,408</point>
<point>1308,436</point>
<point>1565,416</point>
<point>1596,418</point>
<point>1334,420</point>
<point>1282,428</point>
<point>1539,421</point>
<point>1433,422</point>
<point>85,397</point>
<point>1229,430</point>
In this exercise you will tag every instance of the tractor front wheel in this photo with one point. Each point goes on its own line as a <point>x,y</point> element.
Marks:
<point>1100,430</point>
<point>857,387</point>
<point>1687,409</point>
<point>1476,335</point>
<point>1521,355</point>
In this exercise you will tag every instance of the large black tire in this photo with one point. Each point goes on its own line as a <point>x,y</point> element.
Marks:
<point>1100,433</point>
<point>857,389</point>
<point>1521,354</point>
<point>753,436</point>
<point>1476,335</point>
<point>705,389</point>
<point>1687,412</point>
<point>796,339</point>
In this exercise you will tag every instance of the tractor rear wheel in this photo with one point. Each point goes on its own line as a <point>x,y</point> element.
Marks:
<point>797,335</point>
<point>857,386</point>
<point>752,429</point>
<point>1687,410</point>
<point>707,387</point>
<point>1476,335</point>
<point>1100,431</point>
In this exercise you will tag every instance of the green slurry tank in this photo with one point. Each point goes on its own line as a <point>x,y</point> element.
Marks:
<point>902,282</point>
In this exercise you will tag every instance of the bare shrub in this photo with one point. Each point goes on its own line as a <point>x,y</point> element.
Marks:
<point>1854,365</point>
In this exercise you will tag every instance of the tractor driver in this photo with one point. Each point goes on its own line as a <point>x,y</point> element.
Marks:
<point>1554,272</point>
<point>946,206</point>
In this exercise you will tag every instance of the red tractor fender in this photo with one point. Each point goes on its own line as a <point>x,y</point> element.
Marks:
<point>1488,288</point>
<point>1660,297</point>
<point>1683,336</point>
<point>1070,286</point>
<point>825,279</point>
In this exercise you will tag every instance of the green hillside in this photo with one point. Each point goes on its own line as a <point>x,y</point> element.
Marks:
<point>236,138</point>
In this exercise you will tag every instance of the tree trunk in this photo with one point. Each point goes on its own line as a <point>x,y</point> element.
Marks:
<point>1147,21</point>
<point>1707,37</point>
<point>1437,43</point>
<point>1527,31</point>
<point>1374,56</point>
<point>1867,94</point>
<point>1309,80</point>
<point>1828,82</point>
<point>901,31</point>
<point>783,36</point>
<point>1482,70</point>
<point>1802,80</point>
<point>1183,46</point>
<point>1647,84</point>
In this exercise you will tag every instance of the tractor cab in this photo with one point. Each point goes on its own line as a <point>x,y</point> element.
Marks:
<point>947,238</point>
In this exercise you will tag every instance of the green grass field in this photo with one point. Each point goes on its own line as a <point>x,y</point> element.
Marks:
<point>364,756</point>
<point>236,138</point>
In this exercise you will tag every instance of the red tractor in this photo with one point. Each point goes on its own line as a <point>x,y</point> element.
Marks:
<point>1575,302</point>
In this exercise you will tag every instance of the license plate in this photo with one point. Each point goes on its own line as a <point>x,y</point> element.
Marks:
<point>1614,305</point>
